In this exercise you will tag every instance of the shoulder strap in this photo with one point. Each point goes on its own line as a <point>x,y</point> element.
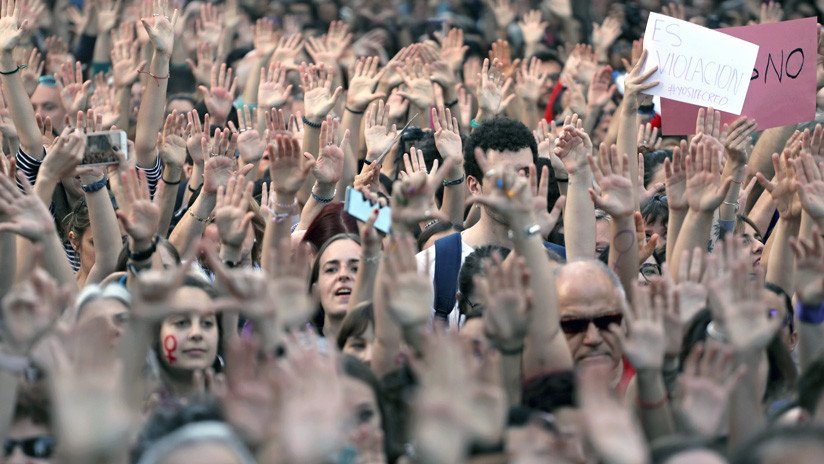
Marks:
<point>447,267</point>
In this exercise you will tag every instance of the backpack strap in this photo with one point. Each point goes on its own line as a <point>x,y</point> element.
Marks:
<point>447,267</point>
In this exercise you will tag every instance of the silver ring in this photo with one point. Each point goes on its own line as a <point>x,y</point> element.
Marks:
<point>427,213</point>
<point>645,142</point>
<point>212,155</point>
<point>490,173</point>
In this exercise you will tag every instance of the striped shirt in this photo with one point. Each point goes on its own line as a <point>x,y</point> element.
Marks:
<point>30,167</point>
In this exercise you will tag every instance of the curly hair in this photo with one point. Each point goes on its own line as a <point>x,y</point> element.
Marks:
<point>499,134</point>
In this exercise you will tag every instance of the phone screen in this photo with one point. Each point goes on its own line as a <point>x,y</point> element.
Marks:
<point>360,208</point>
<point>101,147</point>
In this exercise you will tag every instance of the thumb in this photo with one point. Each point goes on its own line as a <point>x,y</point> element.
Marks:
<point>203,91</point>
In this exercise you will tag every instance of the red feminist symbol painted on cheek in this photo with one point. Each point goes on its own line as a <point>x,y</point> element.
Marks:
<point>170,345</point>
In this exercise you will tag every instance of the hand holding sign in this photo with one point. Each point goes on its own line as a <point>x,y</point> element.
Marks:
<point>698,65</point>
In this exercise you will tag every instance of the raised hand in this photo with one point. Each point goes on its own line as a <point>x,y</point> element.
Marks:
<point>704,188</point>
<point>706,384</point>
<point>771,13</point>
<point>637,81</point>
<point>675,10</point>
<point>318,98</point>
<point>195,133</point>
<point>209,27</point>
<point>153,291</point>
<point>499,51</point>
<point>125,58</point>
<point>329,48</point>
<point>377,133</point>
<point>288,168</point>
<point>453,49</point>
<point>221,159</point>
<point>510,198</point>
<point>810,181</point>
<point>220,94</point>
<point>362,84</point>
<point>493,89</point>
<point>171,144</point>
<point>31,308</point>
<point>447,135</point>
<point>138,215</point>
<point>545,218</point>
<point>63,155</point>
<point>604,35</point>
<point>675,178</point>
<point>505,296</point>
<point>737,140</point>
<point>692,285</point>
<point>783,187</point>
<point>232,215</point>
<point>160,27</point>
<point>23,213</point>
<point>73,89</point>
<point>532,27</point>
<point>573,146</point>
<point>34,69</point>
<point>413,196</point>
<point>107,12</point>
<point>410,291</point>
<point>328,167</point>
<point>250,144</point>
<point>735,297</point>
<point>645,341</point>
<point>287,51</point>
<point>611,427</point>
<point>206,60</point>
<point>613,177</point>
<point>419,89</point>
<point>273,91</point>
<point>11,25</point>
<point>809,268</point>
<point>601,87</point>
<point>529,80</point>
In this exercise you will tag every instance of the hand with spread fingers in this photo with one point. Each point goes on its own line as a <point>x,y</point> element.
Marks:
<point>612,176</point>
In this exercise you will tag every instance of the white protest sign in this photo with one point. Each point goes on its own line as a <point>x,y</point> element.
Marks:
<point>698,65</point>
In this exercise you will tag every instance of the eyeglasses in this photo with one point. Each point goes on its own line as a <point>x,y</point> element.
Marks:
<point>580,325</point>
<point>34,447</point>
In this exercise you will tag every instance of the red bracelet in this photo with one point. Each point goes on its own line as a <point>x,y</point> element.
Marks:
<point>644,405</point>
<point>156,78</point>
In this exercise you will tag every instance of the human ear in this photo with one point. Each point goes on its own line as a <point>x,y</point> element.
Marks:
<point>473,185</point>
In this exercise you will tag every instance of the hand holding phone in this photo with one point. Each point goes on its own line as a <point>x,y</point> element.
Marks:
<point>357,206</point>
<point>102,148</point>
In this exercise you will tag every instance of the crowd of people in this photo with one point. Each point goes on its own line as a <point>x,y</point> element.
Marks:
<point>559,283</point>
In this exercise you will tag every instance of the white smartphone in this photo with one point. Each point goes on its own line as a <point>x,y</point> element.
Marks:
<point>101,148</point>
<point>361,209</point>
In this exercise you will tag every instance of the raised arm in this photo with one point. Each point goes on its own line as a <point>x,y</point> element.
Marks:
<point>160,28</point>
<point>572,147</point>
<point>14,90</point>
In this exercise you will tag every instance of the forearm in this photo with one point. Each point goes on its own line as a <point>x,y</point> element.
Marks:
<point>623,251</point>
<point>8,257</point>
<point>591,118</point>
<point>250,92</point>
<point>674,223</point>
<point>20,109</point>
<point>311,144</point>
<point>627,144</point>
<point>8,400</point>
<point>512,378</point>
<point>771,141</point>
<point>102,47</point>
<point>366,277</point>
<point>152,108</point>
<point>388,333</point>
<point>654,409</point>
<point>729,207</point>
<point>762,212</point>
<point>123,97</point>
<point>167,202</point>
<point>545,349</point>
<point>134,347</point>
<point>106,233</point>
<point>55,261</point>
<point>193,223</point>
<point>352,123</point>
<point>781,265</point>
<point>695,232</point>
<point>277,229</point>
<point>579,218</point>
<point>454,198</point>
<point>746,410</point>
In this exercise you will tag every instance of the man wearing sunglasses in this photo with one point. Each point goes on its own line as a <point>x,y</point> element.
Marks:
<point>29,440</point>
<point>590,301</point>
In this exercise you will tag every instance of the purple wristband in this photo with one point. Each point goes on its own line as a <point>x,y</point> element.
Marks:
<point>810,314</point>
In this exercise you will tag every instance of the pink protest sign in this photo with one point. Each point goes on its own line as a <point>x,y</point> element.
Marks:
<point>782,87</point>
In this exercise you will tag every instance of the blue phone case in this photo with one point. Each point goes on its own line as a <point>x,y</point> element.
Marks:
<point>360,208</point>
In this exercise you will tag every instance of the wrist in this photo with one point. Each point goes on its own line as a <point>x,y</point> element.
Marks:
<point>324,189</point>
<point>230,252</point>
<point>284,198</point>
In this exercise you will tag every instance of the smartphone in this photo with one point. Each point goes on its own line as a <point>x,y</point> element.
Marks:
<point>360,208</point>
<point>101,148</point>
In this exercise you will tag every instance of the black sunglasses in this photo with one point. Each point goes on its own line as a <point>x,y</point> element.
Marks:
<point>580,325</point>
<point>34,447</point>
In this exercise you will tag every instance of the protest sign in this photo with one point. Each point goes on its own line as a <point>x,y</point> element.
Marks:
<point>698,65</point>
<point>783,82</point>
